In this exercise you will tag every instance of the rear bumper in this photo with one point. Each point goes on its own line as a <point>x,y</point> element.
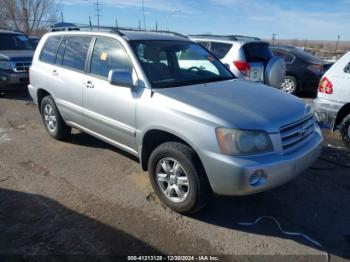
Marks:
<point>231,175</point>
<point>13,81</point>
<point>326,112</point>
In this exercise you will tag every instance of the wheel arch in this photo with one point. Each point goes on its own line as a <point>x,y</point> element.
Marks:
<point>154,137</point>
<point>41,93</point>
<point>343,112</point>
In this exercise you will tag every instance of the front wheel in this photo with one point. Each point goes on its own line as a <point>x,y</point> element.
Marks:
<point>178,177</point>
<point>290,85</point>
<point>345,131</point>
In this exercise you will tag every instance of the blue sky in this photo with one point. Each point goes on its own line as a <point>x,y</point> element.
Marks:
<point>297,19</point>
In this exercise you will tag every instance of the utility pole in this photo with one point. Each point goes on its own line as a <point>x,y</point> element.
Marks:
<point>98,12</point>
<point>116,23</point>
<point>62,19</point>
<point>273,38</point>
<point>336,46</point>
<point>156,25</point>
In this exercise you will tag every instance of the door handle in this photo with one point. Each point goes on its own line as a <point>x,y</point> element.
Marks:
<point>54,72</point>
<point>89,84</point>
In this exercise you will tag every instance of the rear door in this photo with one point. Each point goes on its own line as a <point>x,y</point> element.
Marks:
<point>346,83</point>
<point>68,76</point>
<point>338,77</point>
<point>109,110</point>
<point>257,54</point>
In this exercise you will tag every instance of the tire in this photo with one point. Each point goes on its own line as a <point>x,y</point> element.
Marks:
<point>290,85</point>
<point>345,131</point>
<point>52,120</point>
<point>195,194</point>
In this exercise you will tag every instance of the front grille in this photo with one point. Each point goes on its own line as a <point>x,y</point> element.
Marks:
<point>294,134</point>
<point>22,66</point>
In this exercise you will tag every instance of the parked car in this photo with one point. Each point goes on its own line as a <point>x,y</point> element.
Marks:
<point>16,54</point>
<point>247,57</point>
<point>304,70</point>
<point>34,40</point>
<point>332,106</point>
<point>196,130</point>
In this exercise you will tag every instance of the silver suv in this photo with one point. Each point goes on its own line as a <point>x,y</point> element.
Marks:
<point>247,57</point>
<point>196,128</point>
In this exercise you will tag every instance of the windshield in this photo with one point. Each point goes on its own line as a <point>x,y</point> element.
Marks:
<point>15,42</point>
<point>177,63</point>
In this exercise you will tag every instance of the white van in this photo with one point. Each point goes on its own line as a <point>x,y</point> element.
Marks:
<point>332,106</point>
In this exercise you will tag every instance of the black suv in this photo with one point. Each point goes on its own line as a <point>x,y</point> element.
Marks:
<point>16,55</point>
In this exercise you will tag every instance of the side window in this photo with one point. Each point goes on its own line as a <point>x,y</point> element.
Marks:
<point>220,50</point>
<point>108,55</point>
<point>76,52</point>
<point>347,69</point>
<point>205,44</point>
<point>48,54</point>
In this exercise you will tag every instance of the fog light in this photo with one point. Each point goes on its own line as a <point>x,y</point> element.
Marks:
<point>257,178</point>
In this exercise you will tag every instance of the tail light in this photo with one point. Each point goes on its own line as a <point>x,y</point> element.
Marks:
<point>325,86</point>
<point>316,69</point>
<point>243,67</point>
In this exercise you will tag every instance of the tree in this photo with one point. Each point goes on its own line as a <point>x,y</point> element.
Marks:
<point>30,16</point>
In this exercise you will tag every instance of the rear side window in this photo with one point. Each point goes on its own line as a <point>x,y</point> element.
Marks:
<point>48,54</point>
<point>76,50</point>
<point>220,50</point>
<point>205,44</point>
<point>347,69</point>
<point>257,52</point>
<point>108,55</point>
<point>287,57</point>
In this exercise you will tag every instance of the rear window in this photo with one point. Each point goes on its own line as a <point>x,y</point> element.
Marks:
<point>220,50</point>
<point>48,54</point>
<point>257,52</point>
<point>76,49</point>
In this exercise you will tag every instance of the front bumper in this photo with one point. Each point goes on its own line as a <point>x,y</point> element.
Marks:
<point>230,175</point>
<point>13,81</point>
<point>326,112</point>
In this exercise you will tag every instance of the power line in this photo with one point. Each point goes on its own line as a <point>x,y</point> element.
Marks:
<point>98,12</point>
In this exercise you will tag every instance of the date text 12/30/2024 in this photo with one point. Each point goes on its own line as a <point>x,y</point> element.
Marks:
<point>173,258</point>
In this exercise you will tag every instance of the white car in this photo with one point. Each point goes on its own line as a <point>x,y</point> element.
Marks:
<point>247,57</point>
<point>332,106</point>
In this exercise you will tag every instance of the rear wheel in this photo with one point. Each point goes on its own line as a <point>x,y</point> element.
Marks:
<point>178,178</point>
<point>290,85</point>
<point>345,131</point>
<point>52,119</point>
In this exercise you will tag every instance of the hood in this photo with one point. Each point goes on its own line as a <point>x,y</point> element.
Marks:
<point>16,55</point>
<point>237,103</point>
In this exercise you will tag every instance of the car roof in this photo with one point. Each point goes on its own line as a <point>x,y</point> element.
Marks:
<point>226,38</point>
<point>8,31</point>
<point>130,34</point>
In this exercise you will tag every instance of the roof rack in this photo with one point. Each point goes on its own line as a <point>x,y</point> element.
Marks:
<point>112,29</point>
<point>228,37</point>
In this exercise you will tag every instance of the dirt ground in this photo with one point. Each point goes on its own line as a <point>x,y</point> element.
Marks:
<point>85,200</point>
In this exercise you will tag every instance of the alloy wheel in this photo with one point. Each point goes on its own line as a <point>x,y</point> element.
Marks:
<point>172,180</point>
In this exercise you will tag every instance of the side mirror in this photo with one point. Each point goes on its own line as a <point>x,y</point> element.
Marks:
<point>120,78</point>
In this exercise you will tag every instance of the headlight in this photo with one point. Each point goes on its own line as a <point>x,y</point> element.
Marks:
<point>5,65</point>
<point>243,142</point>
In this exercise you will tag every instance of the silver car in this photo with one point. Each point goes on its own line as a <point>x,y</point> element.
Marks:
<point>196,128</point>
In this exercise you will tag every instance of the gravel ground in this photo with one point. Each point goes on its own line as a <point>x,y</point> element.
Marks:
<point>83,199</point>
